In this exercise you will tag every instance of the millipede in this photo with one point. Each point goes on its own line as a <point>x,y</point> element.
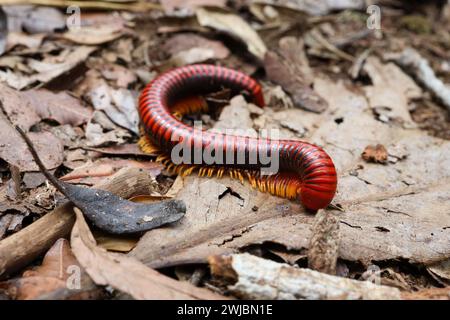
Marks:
<point>305,171</point>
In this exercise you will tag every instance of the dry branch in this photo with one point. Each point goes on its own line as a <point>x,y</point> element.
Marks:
<point>256,278</point>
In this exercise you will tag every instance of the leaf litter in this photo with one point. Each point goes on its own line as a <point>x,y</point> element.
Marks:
<point>327,80</point>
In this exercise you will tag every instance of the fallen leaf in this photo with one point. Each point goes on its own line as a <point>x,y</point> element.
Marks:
<point>48,70</point>
<point>34,19</point>
<point>93,172</point>
<point>141,282</point>
<point>232,24</point>
<point>377,154</point>
<point>289,68</point>
<point>56,272</point>
<point>14,151</point>
<point>94,35</point>
<point>188,6</point>
<point>101,131</point>
<point>61,107</point>
<point>391,92</point>
<point>31,41</point>
<point>119,105</point>
<point>182,46</point>
<point>107,211</point>
<point>123,149</point>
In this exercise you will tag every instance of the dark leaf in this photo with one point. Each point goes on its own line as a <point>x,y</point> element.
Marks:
<point>110,212</point>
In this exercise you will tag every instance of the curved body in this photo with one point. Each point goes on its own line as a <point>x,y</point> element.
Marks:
<point>305,171</point>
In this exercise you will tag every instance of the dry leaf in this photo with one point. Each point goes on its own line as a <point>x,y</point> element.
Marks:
<point>391,92</point>
<point>190,48</point>
<point>187,7</point>
<point>48,70</point>
<point>377,154</point>
<point>119,105</point>
<point>93,172</point>
<point>101,131</point>
<point>233,24</point>
<point>59,271</point>
<point>60,107</point>
<point>94,35</point>
<point>290,69</point>
<point>14,151</point>
<point>127,274</point>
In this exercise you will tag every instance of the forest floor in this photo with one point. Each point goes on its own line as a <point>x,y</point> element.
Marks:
<point>331,76</point>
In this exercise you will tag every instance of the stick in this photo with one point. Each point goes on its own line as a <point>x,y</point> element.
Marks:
<point>257,278</point>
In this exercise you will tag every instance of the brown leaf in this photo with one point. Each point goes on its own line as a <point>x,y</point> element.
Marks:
<point>60,107</point>
<point>391,92</point>
<point>54,274</point>
<point>56,261</point>
<point>119,105</point>
<point>233,24</point>
<point>188,6</point>
<point>94,35</point>
<point>377,154</point>
<point>127,274</point>
<point>122,149</point>
<point>47,70</point>
<point>289,68</point>
<point>92,173</point>
<point>191,48</point>
<point>14,151</point>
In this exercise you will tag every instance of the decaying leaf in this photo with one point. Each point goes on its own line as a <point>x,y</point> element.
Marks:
<point>119,105</point>
<point>391,92</point>
<point>93,172</point>
<point>141,282</point>
<point>377,154</point>
<point>58,272</point>
<point>101,131</point>
<point>289,68</point>
<point>190,48</point>
<point>14,151</point>
<point>60,107</point>
<point>188,6</point>
<point>234,25</point>
<point>47,71</point>
<point>35,19</point>
<point>94,35</point>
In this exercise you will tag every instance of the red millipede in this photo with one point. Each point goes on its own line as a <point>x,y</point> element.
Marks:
<point>306,172</point>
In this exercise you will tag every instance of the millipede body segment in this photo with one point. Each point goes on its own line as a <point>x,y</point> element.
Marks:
<point>305,171</point>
